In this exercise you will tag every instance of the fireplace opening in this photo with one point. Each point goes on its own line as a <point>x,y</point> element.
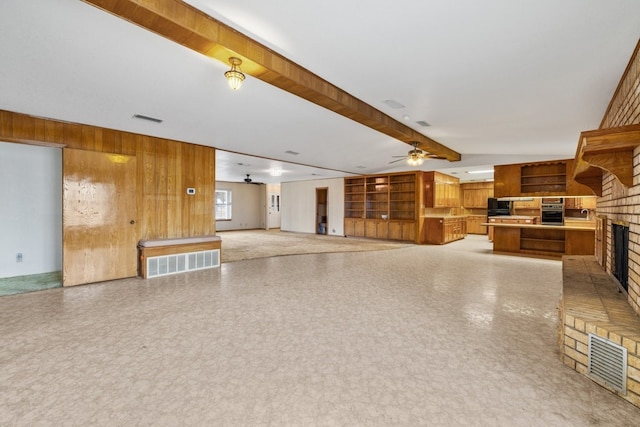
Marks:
<point>621,254</point>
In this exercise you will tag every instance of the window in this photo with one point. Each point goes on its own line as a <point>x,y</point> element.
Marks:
<point>223,204</point>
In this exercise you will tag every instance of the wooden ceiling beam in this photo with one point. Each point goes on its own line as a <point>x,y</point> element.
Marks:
<point>188,26</point>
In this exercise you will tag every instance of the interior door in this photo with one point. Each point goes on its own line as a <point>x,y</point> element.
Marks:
<point>273,207</point>
<point>99,236</point>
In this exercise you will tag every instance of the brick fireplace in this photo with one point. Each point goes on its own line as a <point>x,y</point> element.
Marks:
<point>601,294</point>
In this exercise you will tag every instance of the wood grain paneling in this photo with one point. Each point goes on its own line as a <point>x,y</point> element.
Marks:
<point>99,217</point>
<point>183,24</point>
<point>165,168</point>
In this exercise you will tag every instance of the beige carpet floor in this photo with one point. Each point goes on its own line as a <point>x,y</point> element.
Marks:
<point>249,244</point>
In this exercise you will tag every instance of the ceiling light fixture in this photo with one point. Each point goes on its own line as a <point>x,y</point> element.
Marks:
<point>482,171</point>
<point>415,157</point>
<point>234,76</point>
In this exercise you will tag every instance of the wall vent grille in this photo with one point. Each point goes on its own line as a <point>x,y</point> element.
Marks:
<point>179,263</point>
<point>608,363</point>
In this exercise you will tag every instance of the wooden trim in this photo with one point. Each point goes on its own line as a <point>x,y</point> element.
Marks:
<point>188,26</point>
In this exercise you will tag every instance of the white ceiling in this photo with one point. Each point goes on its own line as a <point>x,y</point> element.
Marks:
<point>499,81</point>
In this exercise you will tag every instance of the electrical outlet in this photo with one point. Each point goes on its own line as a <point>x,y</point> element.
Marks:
<point>19,257</point>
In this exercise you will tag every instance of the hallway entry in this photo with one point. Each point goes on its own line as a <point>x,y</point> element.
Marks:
<point>321,210</point>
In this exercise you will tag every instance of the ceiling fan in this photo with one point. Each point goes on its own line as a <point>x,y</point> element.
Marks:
<point>416,156</point>
<point>248,180</point>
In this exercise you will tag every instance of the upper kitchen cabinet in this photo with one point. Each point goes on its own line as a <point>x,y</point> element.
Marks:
<point>440,190</point>
<point>476,194</point>
<point>539,179</point>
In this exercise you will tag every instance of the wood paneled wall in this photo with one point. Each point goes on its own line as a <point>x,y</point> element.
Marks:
<point>166,168</point>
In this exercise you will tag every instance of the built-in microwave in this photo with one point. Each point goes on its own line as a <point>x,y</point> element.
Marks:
<point>497,207</point>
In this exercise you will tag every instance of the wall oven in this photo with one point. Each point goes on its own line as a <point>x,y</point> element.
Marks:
<point>552,211</point>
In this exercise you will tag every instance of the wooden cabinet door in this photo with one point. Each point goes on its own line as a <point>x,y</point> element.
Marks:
<point>382,229</point>
<point>395,230</point>
<point>354,227</point>
<point>349,227</point>
<point>409,231</point>
<point>588,203</point>
<point>370,229</point>
<point>433,231</point>
<point>99,213</point>
<point>506,181</point>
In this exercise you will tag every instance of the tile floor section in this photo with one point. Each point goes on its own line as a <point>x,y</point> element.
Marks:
<point>30,283</point>
<point>424,335</point>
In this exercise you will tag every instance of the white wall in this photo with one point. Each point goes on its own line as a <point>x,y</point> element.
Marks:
<point>30,209</point>
<point>298,212</point>
<point>248,204</point>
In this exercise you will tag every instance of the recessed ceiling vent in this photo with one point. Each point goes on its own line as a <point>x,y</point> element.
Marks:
<point>148,118</point>
<point>423,123</point>
<point>608,363</point>
<point>393,104</point>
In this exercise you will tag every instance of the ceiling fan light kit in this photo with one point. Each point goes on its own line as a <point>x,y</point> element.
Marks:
<point>416,156</point>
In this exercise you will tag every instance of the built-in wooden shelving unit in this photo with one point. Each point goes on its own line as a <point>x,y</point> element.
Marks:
<point>382,206</point>
<point>543,178</point>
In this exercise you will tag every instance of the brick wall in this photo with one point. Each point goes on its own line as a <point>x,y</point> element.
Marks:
<point>618,203</point>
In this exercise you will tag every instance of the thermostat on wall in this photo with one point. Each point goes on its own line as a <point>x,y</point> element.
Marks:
<point>191,191</point>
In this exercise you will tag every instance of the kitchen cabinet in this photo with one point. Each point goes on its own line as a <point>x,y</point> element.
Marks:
<point>538,179</point>
<point>514,219</point>
<point>441,230</point>
<point>475,194</point>
<point>440,190</point>
<point>580,203</point>
<point>530,203</point>
<point>474,224</point>
<point>544,241</point>
<point>506,181</point>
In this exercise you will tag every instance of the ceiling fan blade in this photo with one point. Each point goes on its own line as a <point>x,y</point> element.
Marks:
<point>399,160</point>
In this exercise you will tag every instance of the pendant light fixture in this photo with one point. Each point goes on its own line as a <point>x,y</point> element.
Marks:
<point>234,76</point>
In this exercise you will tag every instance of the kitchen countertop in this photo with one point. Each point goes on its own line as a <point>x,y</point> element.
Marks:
<point>513,217</point>
<point>586,227</point>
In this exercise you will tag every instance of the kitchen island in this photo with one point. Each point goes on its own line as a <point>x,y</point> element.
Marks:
<point>543,240</point>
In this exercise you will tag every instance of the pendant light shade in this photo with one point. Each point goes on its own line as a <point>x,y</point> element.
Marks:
<point>234,76</point>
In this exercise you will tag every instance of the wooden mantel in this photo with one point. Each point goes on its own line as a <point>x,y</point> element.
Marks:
<point>606,149</point>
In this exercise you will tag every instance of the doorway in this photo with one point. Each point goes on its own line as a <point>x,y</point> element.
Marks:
<point>321,210</point>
